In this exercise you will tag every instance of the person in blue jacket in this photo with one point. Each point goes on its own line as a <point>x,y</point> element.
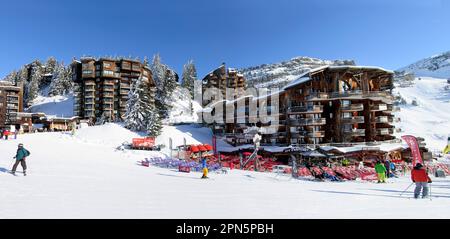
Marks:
<point>20,157</point>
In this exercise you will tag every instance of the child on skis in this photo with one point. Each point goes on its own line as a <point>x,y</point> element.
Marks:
<point>380,169</point>
<point>205,168</point>
<point>20,157</point>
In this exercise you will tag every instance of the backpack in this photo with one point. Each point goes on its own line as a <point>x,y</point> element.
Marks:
<point>27,153</point>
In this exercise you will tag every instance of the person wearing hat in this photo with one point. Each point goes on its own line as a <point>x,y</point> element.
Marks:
<point>20,157</point>
<point>420,177</point>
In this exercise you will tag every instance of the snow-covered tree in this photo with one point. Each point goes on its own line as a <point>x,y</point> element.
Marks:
<point>32,88</point>
<point>141,114</point>
<point>61,83</point>
<point>166,81</point>
<point>154,123</point>
<point>189,76</point>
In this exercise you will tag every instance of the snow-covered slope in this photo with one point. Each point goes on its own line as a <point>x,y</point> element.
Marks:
<point>59,106</point>
<point>436,66</point>
<point>280,74</point>
<point>84,177</point>
<point>430,119</point>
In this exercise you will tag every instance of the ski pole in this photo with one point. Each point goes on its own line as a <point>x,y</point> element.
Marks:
<point>406,189</point>
<point>430,192</point>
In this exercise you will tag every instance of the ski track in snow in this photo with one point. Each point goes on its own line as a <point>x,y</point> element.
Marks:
<point>84,177</point>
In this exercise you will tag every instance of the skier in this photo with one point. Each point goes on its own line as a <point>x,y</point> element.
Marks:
<point>20,157</point>
<point>205,168</point>
<point>420,177</point>
<point>6,133</point>
<point>380,169</point>
<point>387,165</point>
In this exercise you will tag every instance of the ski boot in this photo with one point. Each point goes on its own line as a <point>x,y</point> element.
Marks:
<point>24,173</point>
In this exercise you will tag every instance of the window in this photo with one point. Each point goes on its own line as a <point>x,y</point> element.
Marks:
<point>107,65</point>
<point>108,73</point>
<point>87,72</point>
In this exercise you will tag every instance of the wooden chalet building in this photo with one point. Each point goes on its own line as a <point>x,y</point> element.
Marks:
<point>10,104</point>
<point>223,79</point>
<point>331,104</point>
<point>102,86</point>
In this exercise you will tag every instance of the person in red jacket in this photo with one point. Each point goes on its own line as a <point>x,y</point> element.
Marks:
<point>6,133</point>
<point>420,177</point>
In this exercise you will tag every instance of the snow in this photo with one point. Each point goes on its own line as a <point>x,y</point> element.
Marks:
<point>431,118</point>
<point>437,66</point>
<point>84,177</point>
<point>56,106</point>
<point>181,108</point>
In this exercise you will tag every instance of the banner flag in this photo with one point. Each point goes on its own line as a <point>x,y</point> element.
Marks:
<point>414,146</point>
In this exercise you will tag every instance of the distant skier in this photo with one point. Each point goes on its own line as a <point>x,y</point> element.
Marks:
<point>20,157</point>
<point>387,165</point>
<point>6,133</point>
<point>205,168</point>
<point>420,177</point>
<point>380,169</point>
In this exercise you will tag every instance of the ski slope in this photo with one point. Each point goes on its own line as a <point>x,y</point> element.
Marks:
<point>82,176</point>
<point>430,119</point>
<point>56,106</point>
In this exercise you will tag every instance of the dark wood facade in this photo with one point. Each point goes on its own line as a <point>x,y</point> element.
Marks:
<point>333,104</point>
<point>102,86</point>
<point>10,104</point>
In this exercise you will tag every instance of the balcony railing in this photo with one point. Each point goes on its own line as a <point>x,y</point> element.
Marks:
<point>392,108</point>
<point>353,120</point>
<point>307,122</point>
<point>316,109</point>
<point>353,107</point>
<point>383,119</point>
<point>355,132</point>
<point>379,95</point>
<point>385,131</point>
<point>379,107</point>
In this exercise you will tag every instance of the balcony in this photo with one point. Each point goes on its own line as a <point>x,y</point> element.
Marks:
<point>125,86</point>
<point>307,122</point>
<point>353,120</point>
<point>379,107</point>
<point>385,131</point>
<point>383,119</point>
<point>124,92</point>
<point>391,108</point>
<point>374,95</point>
<point>89,89</point>
<point>355,132</point>
<point>316,109</point>
<point>353,108</point>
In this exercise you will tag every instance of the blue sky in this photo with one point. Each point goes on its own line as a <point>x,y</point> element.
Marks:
<point>242,33</point>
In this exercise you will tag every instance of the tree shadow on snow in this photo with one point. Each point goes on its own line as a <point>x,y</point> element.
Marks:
<point>4,170</point>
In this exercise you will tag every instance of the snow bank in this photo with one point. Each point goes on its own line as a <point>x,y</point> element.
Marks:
<point>109,134</point>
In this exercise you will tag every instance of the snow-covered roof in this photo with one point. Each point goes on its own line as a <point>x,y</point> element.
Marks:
<point>305,77</point>
<point>360,67</point>
<point>385,147</point>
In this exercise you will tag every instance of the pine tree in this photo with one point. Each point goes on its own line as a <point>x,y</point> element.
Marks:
<point>154,124</point>
<point>61,83</point>
<point>189,77</point>
<point>32,88</point>
<point>166,81</point>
